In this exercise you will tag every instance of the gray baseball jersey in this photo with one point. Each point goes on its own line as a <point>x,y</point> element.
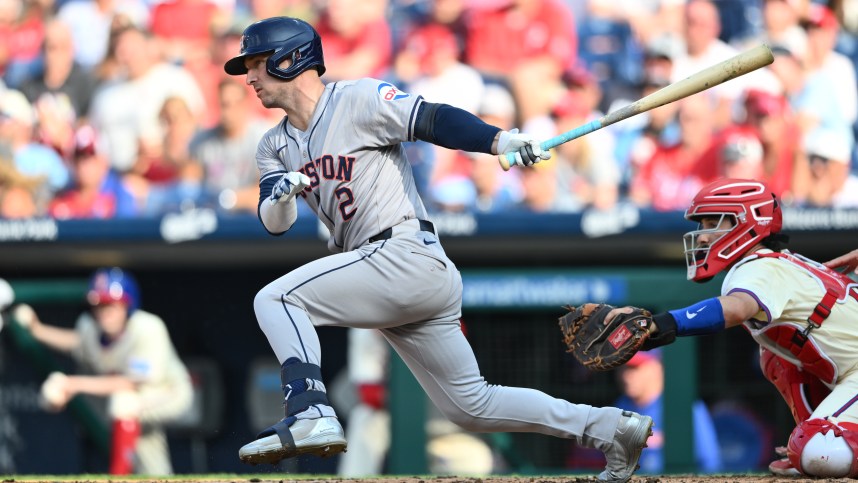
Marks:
<point>402,284</point>
<point>361,182</point>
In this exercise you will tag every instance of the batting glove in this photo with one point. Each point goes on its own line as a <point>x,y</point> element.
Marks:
<point>525,148</point>
<point>289,185</point>
<point>25,316</point>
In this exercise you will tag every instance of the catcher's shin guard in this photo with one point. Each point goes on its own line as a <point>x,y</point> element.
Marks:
<point>802,391</point>
<point>819,447</point>
<point>123,446</point>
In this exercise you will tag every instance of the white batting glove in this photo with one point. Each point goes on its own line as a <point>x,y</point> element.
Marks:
<point>525,148</point>
<point>289,185</point>
<point>54,393</point>
<point>25,316</point>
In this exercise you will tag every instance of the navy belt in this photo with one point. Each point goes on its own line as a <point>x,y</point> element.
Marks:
<point>424,226</point>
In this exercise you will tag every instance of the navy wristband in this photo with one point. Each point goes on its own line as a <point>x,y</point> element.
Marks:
<point>706,317</point>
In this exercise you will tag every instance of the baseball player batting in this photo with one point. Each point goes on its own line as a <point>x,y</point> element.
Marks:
<point>801,312</point>
<point>339,147</point>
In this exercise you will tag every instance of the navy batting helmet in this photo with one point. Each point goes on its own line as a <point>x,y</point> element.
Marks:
<point>113,285</point>
<point>283,37</point>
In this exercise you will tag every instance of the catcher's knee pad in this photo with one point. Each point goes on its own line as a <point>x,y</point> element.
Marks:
<point>818,447</point>
<point>801,391</point>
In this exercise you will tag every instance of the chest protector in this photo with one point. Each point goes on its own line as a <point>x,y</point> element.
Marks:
<point>795,342</point>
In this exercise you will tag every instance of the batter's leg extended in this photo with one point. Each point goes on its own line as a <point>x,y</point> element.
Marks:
<point>443,362</point>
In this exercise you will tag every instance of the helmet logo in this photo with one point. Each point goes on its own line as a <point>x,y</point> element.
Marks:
<point>243,43</point>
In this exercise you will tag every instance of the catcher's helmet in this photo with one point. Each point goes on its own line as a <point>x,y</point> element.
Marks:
<point>754,211</point>
<point>283,37</point>
<point>113,285</point>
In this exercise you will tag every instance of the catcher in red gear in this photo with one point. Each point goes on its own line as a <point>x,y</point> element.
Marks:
<point>801,312</point>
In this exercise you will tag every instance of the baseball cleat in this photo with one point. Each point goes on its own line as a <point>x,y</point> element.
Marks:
<point>629,440</point>
<point>322,437</point>
<point>783,467</point>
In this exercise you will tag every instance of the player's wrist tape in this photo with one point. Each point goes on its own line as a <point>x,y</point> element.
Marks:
<point>706,317</point>
<point>666,333</point>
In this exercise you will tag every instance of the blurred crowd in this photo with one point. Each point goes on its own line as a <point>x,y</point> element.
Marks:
<point>121,108</point>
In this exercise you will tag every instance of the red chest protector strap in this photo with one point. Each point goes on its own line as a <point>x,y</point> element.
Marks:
<point>794,339</point>
<point>837,286</point>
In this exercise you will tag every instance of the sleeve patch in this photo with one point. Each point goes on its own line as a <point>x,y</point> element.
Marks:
<point>389,92</point>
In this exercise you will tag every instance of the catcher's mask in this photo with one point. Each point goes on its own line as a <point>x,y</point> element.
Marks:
<point>755,214</point>
<point>282,37</point>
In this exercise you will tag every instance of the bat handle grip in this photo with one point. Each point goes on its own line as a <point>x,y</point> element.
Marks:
<point>508,160</point>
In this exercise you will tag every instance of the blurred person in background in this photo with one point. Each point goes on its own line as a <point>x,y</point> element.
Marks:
<point>831,184</point>
<point>224,149</point>
<point>657,63</point>
<point>249,11</point>
<point>92,21</point>
<point>784,162</point>
<point>496,190</point>
<point>428,63</point>
<point>642,382</point>
<point>587,173</point>
<point>207,71</point>
<point>671,176</point>
<point>184,29</point>
<point>769,125</point>
<point>125,356</point>
<point>705,49</point>
<point>165,176</point>
<point>17,138</point>
<point>781,25</point>
<point>60,73</point>
<point>542,191</point>
<point>647,19</point>
<point>822,29</point>
<point>17,193</point>
<point>637,138</point>
<point>813,96</point>
<point>127,108</point>
<point>530,43</point>
<point>740,155</point>
<point>356,38</point>
<point>95,190</point>
<point>22,30</point>
<point>368,420</point>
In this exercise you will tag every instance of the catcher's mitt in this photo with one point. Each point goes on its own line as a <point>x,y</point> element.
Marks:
<point>600,346</point>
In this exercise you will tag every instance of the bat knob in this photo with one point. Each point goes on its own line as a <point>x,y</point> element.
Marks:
<point>506,160</point>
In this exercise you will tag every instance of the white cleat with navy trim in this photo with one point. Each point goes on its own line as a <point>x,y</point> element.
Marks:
<point>321,437</point>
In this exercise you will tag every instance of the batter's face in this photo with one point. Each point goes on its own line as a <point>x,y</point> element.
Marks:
<point>270,90</point>
<point>111,318</point>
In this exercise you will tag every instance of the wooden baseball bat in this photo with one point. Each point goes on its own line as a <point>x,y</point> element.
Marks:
<point>719,73</point>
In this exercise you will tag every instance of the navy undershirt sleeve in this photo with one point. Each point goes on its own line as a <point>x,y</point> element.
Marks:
<point>454,128</point>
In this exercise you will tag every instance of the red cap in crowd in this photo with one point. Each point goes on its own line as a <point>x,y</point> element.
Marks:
<point>85,141</point>
<point>765,103</point>
<point>821,16</point>
<point>642,357</point>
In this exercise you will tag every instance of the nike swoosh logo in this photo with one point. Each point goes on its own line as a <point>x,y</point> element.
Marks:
<point>429,242</point>
<point>691,315</point>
